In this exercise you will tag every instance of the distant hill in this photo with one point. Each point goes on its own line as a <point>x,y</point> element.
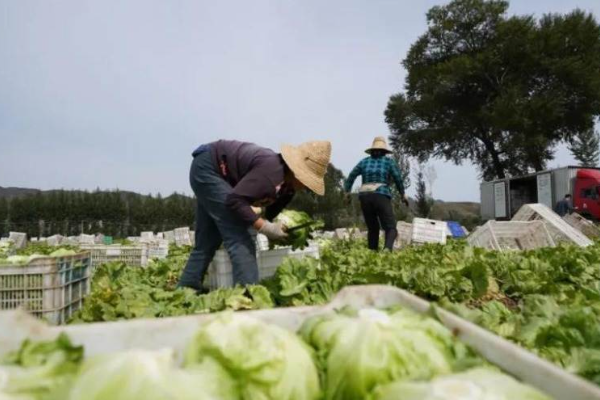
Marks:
<point>10,192</point>
<point>16,192</point>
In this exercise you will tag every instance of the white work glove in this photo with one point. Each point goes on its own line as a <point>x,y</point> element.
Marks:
<point>273,231</point>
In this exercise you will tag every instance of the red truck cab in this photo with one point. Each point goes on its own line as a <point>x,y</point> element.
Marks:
<point>586,193</point>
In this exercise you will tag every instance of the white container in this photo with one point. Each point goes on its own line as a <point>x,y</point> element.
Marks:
<point>18,238</point>
<point>511,235</point>
<point>429,231</point>
<point>175,333</point>
<point>583,225</point>
<point>270,260</point>
<point>49,287</point>
<point>86,239</point>
<point>182,236</point>
<point>135,255</point>
<point>558,228</point>
<point>170,236</point>
<point>404,234</point>
<point>158,248</point>
<point>147,236</point>
<point>220,271</point>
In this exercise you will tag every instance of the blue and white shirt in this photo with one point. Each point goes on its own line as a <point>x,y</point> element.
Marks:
<point>377,170</point>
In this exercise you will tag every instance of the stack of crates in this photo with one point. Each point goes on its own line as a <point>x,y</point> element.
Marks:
<point>135,255</point>
<point>48,287</point>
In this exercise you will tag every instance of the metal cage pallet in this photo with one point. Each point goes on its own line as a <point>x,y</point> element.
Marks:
<point>511,235</point>
<point>136,255</point>
<point>48,287</point>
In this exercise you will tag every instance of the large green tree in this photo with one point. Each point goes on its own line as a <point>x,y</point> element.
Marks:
<point>585,147</point>
<point>499,91</point>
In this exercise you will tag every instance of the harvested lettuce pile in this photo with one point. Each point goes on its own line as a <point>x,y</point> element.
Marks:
<point>297,239</point>
<point>368,354</point>
<point>119,291</point>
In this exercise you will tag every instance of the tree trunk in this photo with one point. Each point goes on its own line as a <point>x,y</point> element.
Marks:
<point>495,155</point>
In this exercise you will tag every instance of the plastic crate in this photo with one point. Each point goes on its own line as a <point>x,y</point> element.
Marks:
<point>170,236</point>
<point>158,248</point>
<point>86,239</point>
<point>177,332</point>
<point>455,230</point>
<point>404,234</point>
<point>18,238</point>
<point>270,260</point>
<point>182,236</point>
<point>585,226</point>
<point>54,240</point>
<point>136,255</point>
<point>220,271</point>
<point>51,288</point>
<point>511,235</point>
<point>429,231</point>
<point>558,228</point>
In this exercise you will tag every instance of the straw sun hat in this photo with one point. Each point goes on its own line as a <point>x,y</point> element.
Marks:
<point>379,143</point>
<point>309,162</point>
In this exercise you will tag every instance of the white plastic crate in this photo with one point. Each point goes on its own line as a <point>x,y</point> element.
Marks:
<point>18,238</point>
<point>170,236</point>
<point>176,333</point>
<point>135,255</point>
<point>158,248</point>
<point>270,260</point>
<point>48,287</point>
<point>182,236</point>
<point>511,235</point>
<point>220,271</point>
<point>583,225</point>
<point>558,228</point>
<point>134,239</point>
<point>147,235</point>
<point>404,234</point>
<point>86,239</point>
<point>99,239</point>
<point>70,241</point>
<point>429,231</point>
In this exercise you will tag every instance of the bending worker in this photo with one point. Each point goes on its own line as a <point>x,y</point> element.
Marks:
<point>228,179</point>
<point>375,195</point>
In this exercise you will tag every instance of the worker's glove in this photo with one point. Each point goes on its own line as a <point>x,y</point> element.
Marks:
<point>273,231</point>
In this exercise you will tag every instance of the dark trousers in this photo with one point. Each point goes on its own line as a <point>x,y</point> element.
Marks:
<point>216,224</point>
<point>378,214</point>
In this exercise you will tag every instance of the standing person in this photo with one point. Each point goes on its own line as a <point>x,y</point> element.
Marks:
<point>375,195</point>
<point>564,207</point>
<point>229,177</point>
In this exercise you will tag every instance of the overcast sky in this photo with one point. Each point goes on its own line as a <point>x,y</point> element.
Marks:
<point>116,94</point>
